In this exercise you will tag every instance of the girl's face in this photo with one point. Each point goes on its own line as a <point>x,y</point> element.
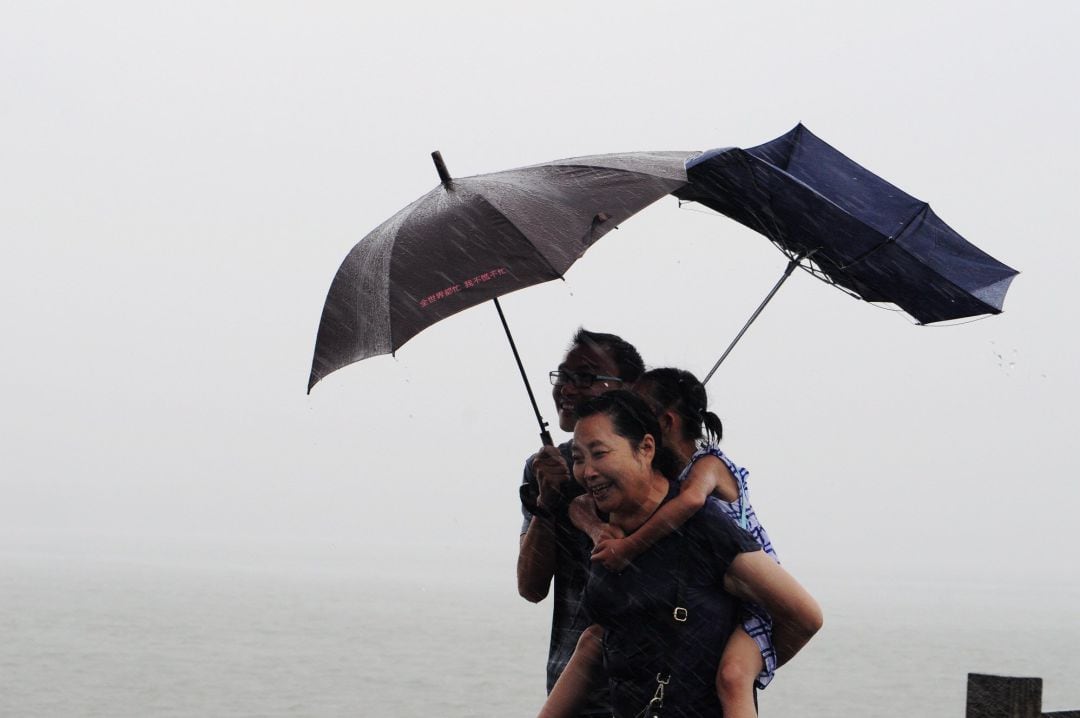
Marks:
<point>614,473</point>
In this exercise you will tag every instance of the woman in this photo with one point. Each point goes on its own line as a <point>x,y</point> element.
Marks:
<point>699,572</point>
<point>692,433</point>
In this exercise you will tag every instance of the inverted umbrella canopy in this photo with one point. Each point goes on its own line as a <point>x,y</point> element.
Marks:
<point>859,231</point>
<point>472,239</point>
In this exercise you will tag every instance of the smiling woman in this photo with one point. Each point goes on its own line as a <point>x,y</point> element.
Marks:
<point>668,615</point>
<point>627,480</point>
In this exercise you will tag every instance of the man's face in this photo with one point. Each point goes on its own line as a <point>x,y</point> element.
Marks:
<point>581,364</point>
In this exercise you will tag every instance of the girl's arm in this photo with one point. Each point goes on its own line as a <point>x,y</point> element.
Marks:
<point>725,486</point>
<point>706,476</point>
<point>570,691</point>
<point>582,514</point>
<point>757,578</point>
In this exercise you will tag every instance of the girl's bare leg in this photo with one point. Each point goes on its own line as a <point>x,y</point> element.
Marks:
<point>572,688</point>
<point>739,666</point>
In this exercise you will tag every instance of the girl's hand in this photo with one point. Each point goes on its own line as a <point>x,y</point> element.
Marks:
<point>583,516</point>
<point>613,553</point>
<point>605,532</point>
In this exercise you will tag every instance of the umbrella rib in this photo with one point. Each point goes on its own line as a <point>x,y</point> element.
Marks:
<point>583,162</point>
<point>790,252</point>
<point>894,239</point>
<point>820,274</point>
<point>888,240</point>
<point>919,259</point>
<point>814,271</point>
<point>945,280</point>
<point>540,253</point>
<point>817,273</point>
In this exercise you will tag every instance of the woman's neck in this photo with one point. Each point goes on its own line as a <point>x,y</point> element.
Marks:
<point>635,516</point>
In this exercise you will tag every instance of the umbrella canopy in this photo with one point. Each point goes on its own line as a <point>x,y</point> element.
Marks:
<point>854,229</point>
<point>473,239</point>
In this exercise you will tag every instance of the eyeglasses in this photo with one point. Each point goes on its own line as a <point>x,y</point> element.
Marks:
<point>582,380</point>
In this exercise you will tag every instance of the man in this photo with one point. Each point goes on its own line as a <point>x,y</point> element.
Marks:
<point>551,548</point>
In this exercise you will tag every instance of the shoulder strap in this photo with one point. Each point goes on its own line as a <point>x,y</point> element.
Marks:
<point>679,614</point>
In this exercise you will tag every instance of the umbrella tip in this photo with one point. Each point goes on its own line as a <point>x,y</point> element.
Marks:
<point>440,167</point>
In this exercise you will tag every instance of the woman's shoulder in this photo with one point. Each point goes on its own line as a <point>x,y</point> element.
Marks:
<point>712,520</point>
<point>710,513</point>
<point>715,534</point>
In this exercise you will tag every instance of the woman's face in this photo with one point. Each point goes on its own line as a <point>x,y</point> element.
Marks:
<point>615,474</point>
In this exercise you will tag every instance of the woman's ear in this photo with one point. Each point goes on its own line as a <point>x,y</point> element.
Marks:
<point>667,421</point>
<point>647,446</point>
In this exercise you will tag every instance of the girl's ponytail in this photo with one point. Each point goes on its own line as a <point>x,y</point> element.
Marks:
<point>713,427</point>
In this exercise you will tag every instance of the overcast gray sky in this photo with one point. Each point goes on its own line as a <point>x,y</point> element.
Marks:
<point>180,182</point>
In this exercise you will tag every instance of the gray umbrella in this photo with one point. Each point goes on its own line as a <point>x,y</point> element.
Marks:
<point>472,239</point>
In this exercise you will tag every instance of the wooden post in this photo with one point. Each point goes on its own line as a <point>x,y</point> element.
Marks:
<point>1003,697</point>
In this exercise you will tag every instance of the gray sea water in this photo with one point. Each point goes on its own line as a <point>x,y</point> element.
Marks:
<point>95,637</point>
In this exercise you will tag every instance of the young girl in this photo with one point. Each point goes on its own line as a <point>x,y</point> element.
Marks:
<point>692,432</point>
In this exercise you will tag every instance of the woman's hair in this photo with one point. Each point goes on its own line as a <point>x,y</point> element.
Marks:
<point>678,390</point>
<point>633,419</point>
<point>622,352</point>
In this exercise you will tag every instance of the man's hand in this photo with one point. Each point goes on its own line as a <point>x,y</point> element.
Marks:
<point>551,473</point>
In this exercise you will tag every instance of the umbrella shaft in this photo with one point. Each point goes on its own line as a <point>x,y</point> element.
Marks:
<point>787,273</point>
<point>545,435</point>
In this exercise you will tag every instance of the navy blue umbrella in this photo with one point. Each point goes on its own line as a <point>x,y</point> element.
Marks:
<point>849,227</point>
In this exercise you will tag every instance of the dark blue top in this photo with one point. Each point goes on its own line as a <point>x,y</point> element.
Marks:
<point>641,638</point>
